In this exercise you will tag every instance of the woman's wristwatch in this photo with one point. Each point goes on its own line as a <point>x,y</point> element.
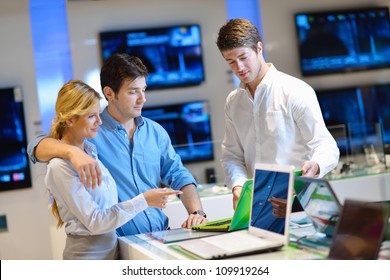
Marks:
<point>200,212</point>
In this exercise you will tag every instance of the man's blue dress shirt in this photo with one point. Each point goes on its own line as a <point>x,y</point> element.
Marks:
<point>137,166</point>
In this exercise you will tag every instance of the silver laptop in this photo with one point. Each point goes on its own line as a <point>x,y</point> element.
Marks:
<point>322,208</point>
<point>265,232</point>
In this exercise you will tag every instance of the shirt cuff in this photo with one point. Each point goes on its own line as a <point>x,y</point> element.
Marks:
<point>238,182</point>
<point>139,203</point>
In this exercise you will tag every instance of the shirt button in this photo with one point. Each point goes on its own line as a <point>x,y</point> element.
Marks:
<point>269,187</point>
<point>260,203</point>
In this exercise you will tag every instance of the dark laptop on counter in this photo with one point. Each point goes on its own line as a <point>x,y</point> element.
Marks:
<point>354,230</point>
<point>360,231</point>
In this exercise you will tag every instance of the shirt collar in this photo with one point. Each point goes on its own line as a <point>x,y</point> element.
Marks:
<point>269,76</point>
<point>266,81</point>
<point>110,122</point>
<point>139,121</point>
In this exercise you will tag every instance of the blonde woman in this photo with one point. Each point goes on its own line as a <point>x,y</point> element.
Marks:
<point>90,215</point>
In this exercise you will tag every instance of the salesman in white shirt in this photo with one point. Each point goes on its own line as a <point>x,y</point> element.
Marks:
<point>271,117</point>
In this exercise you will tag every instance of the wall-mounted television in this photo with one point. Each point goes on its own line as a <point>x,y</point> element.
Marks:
<point>188,125</point>
<point>173,54</point>
<point>14,163</point>
<point>343,40</point>
<point>357,106</point>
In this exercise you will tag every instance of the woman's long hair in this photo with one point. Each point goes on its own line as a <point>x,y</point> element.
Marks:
<point>74,99</point>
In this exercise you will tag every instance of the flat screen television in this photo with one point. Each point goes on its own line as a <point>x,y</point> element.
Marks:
<point>188,125</point>
<point>381,109</point>
<point>357,107</point>
<point>343,40</point>
<point>173,55</point>
<point>14,163</point>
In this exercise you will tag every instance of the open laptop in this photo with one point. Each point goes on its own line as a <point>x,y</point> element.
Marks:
<point>322,208</point>
<point>240,219</point>
<point>360,231</point>
<point>263,234</point>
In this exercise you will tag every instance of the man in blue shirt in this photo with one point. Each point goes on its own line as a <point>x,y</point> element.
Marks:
<point>137,151</point>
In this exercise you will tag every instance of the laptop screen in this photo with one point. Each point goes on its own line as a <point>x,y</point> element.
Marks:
<point>270,181</point>
<point>319,202</point>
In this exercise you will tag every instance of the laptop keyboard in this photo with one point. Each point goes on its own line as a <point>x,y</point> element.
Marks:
<point>221,223</point>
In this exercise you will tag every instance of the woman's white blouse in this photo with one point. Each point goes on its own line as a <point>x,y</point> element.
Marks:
<point>87,211</point>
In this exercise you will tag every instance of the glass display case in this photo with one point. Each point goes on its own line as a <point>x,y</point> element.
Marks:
<point>361,149</point>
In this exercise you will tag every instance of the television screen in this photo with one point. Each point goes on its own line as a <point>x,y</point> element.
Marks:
<point>347,108</point>
<point>357,107</point>
<point>173,55</point>
<point>382,108</point>
<point>14,165</point>
<point>343,40</point>
<point>188,126</point>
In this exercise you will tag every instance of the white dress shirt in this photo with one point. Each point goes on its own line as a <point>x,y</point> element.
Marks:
<point>282,124</point>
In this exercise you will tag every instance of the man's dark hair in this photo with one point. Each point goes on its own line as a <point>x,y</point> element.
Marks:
<point>237,33</point>
<point>120,67</point>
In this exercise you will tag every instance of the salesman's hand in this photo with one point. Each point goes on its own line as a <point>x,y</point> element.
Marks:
<point>87,167</point>
<point>194,220</point>
<point>280,206</point>
<point>236,195</point>
<point>310,169</point>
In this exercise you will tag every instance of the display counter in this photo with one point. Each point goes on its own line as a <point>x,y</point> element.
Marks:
<point>143,247</point>
<point>217,203</point>
<point>217,199</point>
<point>368,187</point>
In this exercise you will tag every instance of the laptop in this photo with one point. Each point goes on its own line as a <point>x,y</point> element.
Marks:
<point>360,231</point>
<point>322,209</point>
<point>240,219</point>
<point>178,234</point>
<point>265,233</point>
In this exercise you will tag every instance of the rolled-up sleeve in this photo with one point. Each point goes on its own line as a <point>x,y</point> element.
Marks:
<point>32,145</point>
